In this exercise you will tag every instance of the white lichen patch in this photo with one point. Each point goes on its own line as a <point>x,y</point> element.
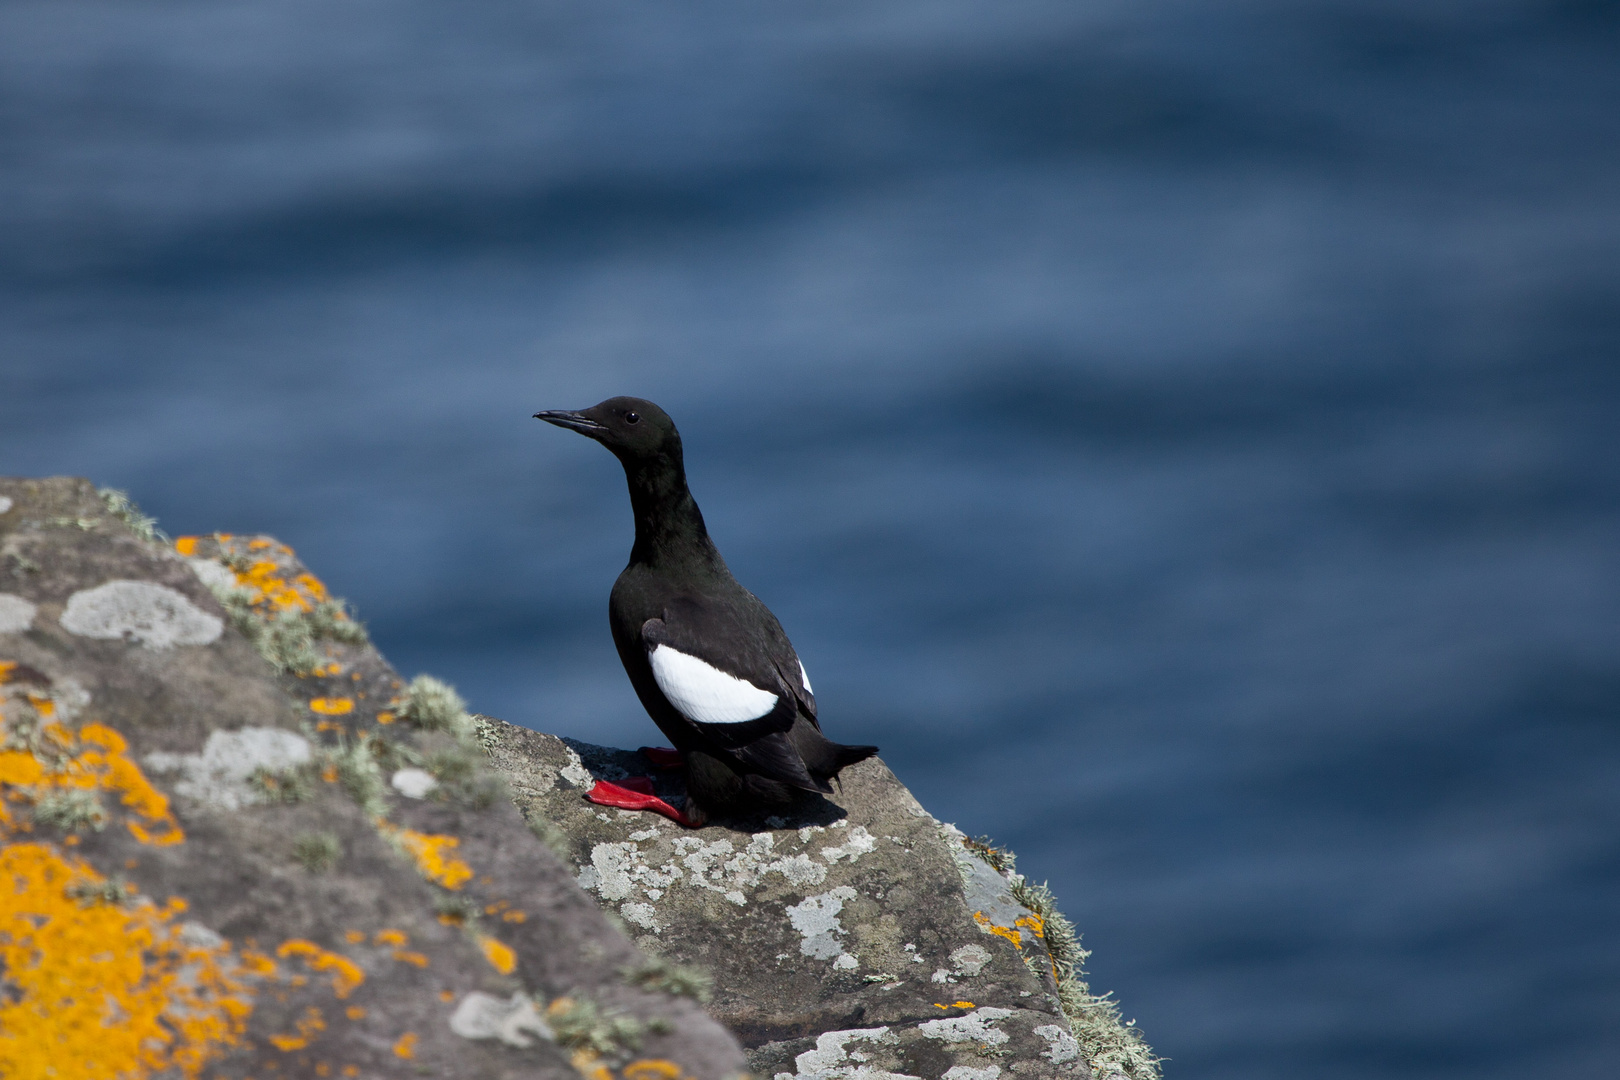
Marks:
<point>846,962</point>
<point>16,614</point>
<point>152,614</point>
<point>216,576</point>
<point>833,1059</point>
<point>975,1027</point>
<point>645,868</point>
<point>968,1072</point>
<point>643,915</point>
<point>5,503</point>
<point>816,920</point>
<point>513,1021</point>
<point>1061,1045</point>
<point>859,843</point>
<point>413,783</point>
<point>575,772</point>
<point>969,960</point>
<point>219,775</point>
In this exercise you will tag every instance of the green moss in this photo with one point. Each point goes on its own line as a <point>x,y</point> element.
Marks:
<point>360,775</point>
<point>317,852</point>
<point>112,890</point>
<point>461,910</point>
<point>580,1024</point>
<point>1109,1044</point>
<point>122,507</point>
<point>294,785</point>
<point>71,809</point>
<point>658,974</point>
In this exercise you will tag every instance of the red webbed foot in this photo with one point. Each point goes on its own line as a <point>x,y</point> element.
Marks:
<point>636,793</point>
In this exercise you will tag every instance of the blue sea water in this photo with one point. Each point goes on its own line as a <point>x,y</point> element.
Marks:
<point>1182,435</point>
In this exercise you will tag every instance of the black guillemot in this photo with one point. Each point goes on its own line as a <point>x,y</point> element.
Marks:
<point>708,660</point>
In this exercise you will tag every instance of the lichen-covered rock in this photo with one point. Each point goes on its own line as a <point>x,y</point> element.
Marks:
<point>857,938</point>
<point>233,843</point>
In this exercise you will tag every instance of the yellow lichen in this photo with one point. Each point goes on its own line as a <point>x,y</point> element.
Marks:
<point>309,1026</point>
<point>653,1069</point>
<point>1007,932</point>
<point>101,990</point>
<point>428,850</point>
<point>95,759</point>
<point>499,955</point>
<point>346,974</point>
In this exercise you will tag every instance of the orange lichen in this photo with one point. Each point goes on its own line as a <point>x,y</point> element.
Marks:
<point>589,1064</point>
<point>354,937</point>
<point>514,917</point>
<point>392,937</point>
<point>1007,932</point>
<point>653,1069</point>
<point>428,850</point>
<point>1033,923</point>
<point>447,995</point>
<point>309,1026</point>
<point>406,1047</point>
<point>346,974</point>
<point>332,706</point>
<point>94,760</point>
<point>355,1012</point>
<point>385,718</point>
<point>405,957</point>
<point>273,592</point>
<point>186,545</point>
<point>954,1005</point>
<point>500,956</point>
<point>101,990</point>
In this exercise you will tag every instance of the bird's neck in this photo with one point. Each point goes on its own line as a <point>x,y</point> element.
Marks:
<point>669,525</point>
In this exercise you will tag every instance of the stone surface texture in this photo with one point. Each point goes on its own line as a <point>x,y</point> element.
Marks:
<point>204,871</point>
<point>855,938</point>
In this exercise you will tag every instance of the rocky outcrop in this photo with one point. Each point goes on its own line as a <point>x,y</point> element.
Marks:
<point>858,937</point>
<point>233,843</point>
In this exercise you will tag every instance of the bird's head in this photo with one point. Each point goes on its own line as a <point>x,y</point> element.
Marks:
<point>633,428</point>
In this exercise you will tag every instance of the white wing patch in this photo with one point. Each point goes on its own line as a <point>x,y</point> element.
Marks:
<point>702,692</point>
<point>804,677</point>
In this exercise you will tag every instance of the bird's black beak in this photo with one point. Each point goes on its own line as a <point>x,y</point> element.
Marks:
<point>573,421</point>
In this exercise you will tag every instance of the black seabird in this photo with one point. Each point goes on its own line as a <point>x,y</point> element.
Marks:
<point>709,661</point>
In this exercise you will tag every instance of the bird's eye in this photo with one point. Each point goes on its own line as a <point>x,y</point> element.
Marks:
<point>632,418</point>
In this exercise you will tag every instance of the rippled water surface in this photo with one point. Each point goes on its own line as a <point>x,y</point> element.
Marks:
<point>1183,435</point>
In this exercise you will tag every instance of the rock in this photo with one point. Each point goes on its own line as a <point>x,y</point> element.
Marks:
<point>233,843</point>
<point>858,938</point>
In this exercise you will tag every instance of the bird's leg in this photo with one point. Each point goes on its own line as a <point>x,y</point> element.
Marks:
<point>662,757</point>
<point>636,793</point>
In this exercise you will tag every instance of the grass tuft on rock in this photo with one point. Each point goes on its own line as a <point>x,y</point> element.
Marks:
<point>317,852</point>
<point>122,507</point>
<point>433,705</point>
<point>580,1024</point>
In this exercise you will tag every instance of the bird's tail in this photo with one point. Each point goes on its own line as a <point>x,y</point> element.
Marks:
<point>849,755</point>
